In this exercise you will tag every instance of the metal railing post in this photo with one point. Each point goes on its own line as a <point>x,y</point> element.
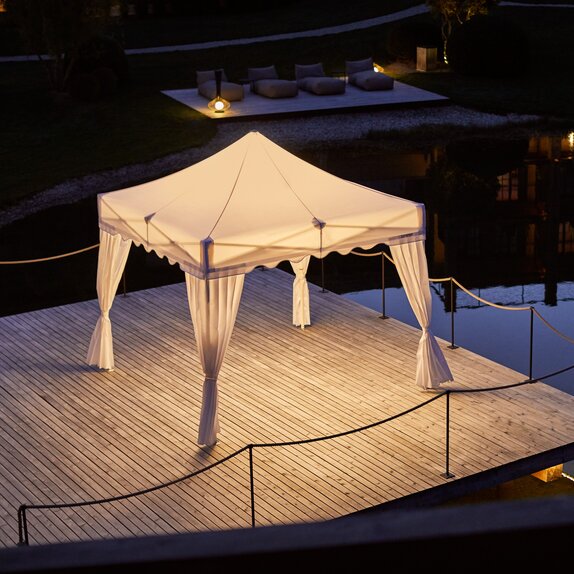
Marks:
<point>252,486</point>
<point>22,526</point>
<point>384,315</point>
<point>452,287</point>
<point>531,341</point>
<point>447,473</point>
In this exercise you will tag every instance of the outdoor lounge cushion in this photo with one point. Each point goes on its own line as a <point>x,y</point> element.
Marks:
<point>370,80</point>
<point>311,78</point>
<point>304,71</point>
<point>354,66</point>
<point>207,87</point>
<point>266,82</point>
<point>360,73</point>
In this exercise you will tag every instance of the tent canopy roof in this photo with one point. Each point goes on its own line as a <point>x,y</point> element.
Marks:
<point>251,204</point>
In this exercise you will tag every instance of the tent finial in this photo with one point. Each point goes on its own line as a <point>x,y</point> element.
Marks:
<point>318,223</point>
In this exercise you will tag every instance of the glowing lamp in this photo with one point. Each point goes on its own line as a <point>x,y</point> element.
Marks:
<point>377,68</point>
<point>218,104</point>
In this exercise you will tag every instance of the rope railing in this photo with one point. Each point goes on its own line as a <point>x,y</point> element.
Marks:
<point>376,254</point>
<point>565,337</point>
<point>62,256</point>
<point>51,258</point>
<point>478,298</point>
<point>453,281</point>
<point>23,523</point>
<point>22,517</point>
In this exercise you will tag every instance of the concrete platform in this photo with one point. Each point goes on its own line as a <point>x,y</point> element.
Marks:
<point>353,99</point>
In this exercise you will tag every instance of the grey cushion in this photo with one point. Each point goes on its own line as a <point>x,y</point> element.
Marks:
<point>308,70</point>
<point>207,75</point>
<point>229,91</point>
<point>265,73</point>
<point>354,66</point>
<point>271,88</point>
<point>303,72</point>
<point>370,80</point>
<point>323,86</point>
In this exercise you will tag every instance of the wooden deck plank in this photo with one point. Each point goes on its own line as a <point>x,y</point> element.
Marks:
<point>72,432</point>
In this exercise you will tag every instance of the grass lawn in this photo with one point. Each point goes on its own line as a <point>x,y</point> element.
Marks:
<point>49,140</point>
<point>548,87</point>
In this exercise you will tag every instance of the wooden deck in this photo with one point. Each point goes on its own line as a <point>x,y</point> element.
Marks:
<point>72,433</point>
<point>353,99</point>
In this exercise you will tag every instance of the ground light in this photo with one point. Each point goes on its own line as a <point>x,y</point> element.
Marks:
<point>218,105</point>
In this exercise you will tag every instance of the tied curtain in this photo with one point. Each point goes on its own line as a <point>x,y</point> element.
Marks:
<point>112,257</point>
<point>301,311</point>
<point>213,304</point>
<point>411,263</point>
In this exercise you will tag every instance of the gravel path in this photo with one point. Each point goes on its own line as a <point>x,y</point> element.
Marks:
<point>291,134</point>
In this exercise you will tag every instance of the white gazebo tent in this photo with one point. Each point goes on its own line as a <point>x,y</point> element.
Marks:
<point>255,204</point>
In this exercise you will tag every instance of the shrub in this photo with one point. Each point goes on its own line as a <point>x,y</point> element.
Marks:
<point>106,52</point>
<point>107,79</point>
<point>488,46</point>
<point>85,87</point>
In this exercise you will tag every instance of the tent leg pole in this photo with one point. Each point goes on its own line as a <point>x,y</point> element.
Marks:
<point>384,315</point>
<point>447,473</point>
<point>452,309</point>
<point>252,486</point>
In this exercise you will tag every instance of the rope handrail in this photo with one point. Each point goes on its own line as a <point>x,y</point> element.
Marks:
<point>24,507</point>
<point>132,494</point>
<point>477,297</point>
<point>498,306</point>
<point>230,456</point>
<point>565,337</point>
<point>41,259</point>
<point>511,385</point>
<point>378,253</point>
<point>352,431</point>
<point>369,254</point>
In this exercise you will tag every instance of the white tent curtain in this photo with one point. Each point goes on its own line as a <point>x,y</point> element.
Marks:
<point>112,257</point>
<point>411,263</point>
<point>213,304</point>
<point>301,310</point>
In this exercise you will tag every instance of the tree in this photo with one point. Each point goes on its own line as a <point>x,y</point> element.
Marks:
<point>455,12</point>
<point>56,30</point>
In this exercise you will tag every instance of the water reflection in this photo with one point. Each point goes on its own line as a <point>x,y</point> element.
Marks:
<point>500,217</point>
<point>499,212</point>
